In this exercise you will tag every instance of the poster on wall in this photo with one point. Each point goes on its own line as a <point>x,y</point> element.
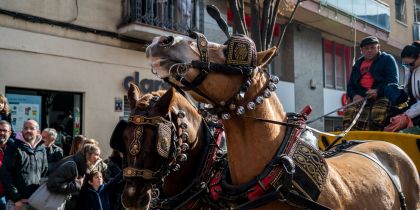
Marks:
<point>24,107</point>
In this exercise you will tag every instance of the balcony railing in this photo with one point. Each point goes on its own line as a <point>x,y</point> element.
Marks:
<point>177,15</point>
<point>369,11</point>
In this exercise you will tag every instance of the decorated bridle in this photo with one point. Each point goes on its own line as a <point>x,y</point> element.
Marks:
<point>241,60</point>
<point>169,145</point>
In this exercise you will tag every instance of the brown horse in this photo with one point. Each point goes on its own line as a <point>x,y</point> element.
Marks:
<point>164,143</point>
<point>353,181</point>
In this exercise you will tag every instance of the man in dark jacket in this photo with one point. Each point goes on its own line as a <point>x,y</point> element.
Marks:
<point>54,152</point>
<point>370,75</point>
<point>25,163</point>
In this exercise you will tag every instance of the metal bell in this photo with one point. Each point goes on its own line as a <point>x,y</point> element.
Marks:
<point>240,110</point>
<point>232,106</point>
<point>184,147</point>
<point>181,114</point>
<point>183,125</point>
<point>275,79</point>
<point>226,116</point>
<point>259,100</point>
<point>155,192</point>
<point>251,105</point>
<point>184,136</point>
<point>176,167</point>
<point>246,86</point>
<point>272,86</point>
<point>240,96</point>
<point>267,93</point>
<point>181,157</point>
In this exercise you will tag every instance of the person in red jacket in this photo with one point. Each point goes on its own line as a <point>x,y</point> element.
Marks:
<point>5,132</point>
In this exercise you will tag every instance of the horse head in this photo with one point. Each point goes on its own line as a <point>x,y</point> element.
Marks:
<point>160,133</point>
<point>216,70</point>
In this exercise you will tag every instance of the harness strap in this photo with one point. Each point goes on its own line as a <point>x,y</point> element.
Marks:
<point>394,182</point>
<point>277,195</point>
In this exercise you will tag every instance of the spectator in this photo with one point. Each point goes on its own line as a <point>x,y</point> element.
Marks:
<point>76,144</point>
<point>99,165</point>
<point>411,116</point>
<point>24,164</point>
<point>68,178</point>
<point>114,163</point>
<point>370,75</point>
<point>94,194</point>
<point>5,113</point>
<point>5,109</point>
<point>54,152</point>
<point>5,141</point>
<point>185,10</point>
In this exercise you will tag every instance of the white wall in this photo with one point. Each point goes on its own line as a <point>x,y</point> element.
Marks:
<point>332,100</point>
<point>38,61</point>
<point>286,93</point>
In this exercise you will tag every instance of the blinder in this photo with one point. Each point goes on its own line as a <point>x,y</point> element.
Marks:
<point>164,132</point>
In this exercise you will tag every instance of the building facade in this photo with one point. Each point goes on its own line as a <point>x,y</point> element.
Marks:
<point>67,63</point>
<point>319,50</point>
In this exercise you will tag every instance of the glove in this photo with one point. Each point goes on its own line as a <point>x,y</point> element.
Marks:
<point>398,123</point>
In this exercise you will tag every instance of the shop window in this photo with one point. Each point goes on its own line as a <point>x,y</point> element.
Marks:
<point>51,109</point>
<point>417,11</point>
<point>400,11</point>
<point>333,124</point>
<point>337,64</point>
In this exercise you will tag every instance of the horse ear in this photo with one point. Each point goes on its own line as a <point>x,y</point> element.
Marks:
<point>117,142</point>
<point>134,95</point>
<point>165,102</point>
<point>264,56</point>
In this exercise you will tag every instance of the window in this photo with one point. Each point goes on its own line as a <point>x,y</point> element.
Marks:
<point>417,11</point>
<point>333,124</point>
<point>337,64</point>
<point>400,11</point>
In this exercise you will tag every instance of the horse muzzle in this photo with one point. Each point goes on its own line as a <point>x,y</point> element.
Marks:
<point>136,196</point>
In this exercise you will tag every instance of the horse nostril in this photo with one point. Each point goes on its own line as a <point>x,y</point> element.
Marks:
<point>166,41</point>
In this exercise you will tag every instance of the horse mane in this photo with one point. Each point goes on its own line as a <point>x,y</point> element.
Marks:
<point>144,101</point>
<point>177,100</point>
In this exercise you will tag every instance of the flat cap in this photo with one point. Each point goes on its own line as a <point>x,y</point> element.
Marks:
<point>369,40</point>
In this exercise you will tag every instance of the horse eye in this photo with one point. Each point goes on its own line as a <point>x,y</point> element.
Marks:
<point>167,40</point>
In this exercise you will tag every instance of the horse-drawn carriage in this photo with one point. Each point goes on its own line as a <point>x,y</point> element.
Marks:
<point>173,153</point>
<point>410,143</point>
<point>173,157</point>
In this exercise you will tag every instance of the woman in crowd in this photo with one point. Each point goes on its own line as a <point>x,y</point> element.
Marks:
<point>68,177</point>
<point>5,109</point>
<point>411,116</point>
<point>76,144</point>
<point>99,165</point>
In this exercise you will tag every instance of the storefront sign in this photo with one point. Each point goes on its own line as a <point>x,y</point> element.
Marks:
<point>145,85</point>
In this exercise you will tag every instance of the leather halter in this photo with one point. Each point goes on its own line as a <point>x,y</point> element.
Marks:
<point>240,60</point>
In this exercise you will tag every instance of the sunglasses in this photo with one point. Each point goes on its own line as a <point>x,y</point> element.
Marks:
<point>412,64</point>
<point>408,65</point>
